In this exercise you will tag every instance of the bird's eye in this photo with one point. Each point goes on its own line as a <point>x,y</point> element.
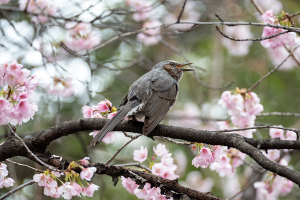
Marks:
<point>171,63</point>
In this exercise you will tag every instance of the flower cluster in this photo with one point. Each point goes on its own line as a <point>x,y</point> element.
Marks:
<point>206,156</point>
<point>279,133</point>
<point>243,107</point>
<point>41,8</point>
<point>166,169</point>
<point>17,87</point>
<point>63,87</point>
<point>72,186</point>
<point>223,161</point>
<point>82,37</point>
<point>289,38</point>
<point>151,36</point>
<point>141,8</point>
<point>104,109</point>
<point>273,185</point>
<point>4,181</point>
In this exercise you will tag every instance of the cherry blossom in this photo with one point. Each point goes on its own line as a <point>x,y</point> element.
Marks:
<point>141,7</point>
<point>82,37</point>
<point>291,135</point>
<point>140,155</point>
<point>101,110</point>
<point>44,180</point>
<point>129,184</point>
<point>274,133</point>
<point>67,190</point>
<point>3,170</point>
<point>204,158</point>
<point>150,37</point>
<point>89,190</point>
<point>38,7</point>
<point>239,32</point>
<point>104,106</point>
<point>85,161</point>
<point>62,87</point>
<point>17,88</point>
<point>7,182</point>
<point>160,149</point>
<point>289,38</point>
<point>88,173</point>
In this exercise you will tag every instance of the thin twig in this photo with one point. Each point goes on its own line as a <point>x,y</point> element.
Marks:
<point>271,72</point>
<point>16,189</point>
<point>135,165</point>
<point>243,40</point>
<point>176,142</point>
<point>30,152</point>
<point>23,165</point>
<point>256,127</point>
<point>289,16</point>
<point>181,12</point>
<point>279,114</point>
<point>122,148</point>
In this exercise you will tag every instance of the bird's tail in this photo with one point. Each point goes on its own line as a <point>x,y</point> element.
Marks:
<point>121,114</point>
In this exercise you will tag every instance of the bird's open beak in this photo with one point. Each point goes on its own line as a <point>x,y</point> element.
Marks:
<point>184,64</point>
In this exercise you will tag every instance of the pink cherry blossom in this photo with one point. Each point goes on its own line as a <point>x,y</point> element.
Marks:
<point>159,169</point>
<point>150,37</point>
<point>86,42</point>
<point>234,103</point>
<point>76,28</point>
<point>239,32</point>
<point>104,106</point>
<point>89,191</point>
<point>274,133</point>
<point>88,173</point>
<point>85,161</point>
<point>62,87</point>
<point>140,155</point>
<point>223,167</point>
<point>67,190</point>
<point>291,135</point>
<point>160,149</point>
<point>143,193</point>
<point>168,161</point>
<point>290,38</point>
<point>7,182</point>
<point>3,170</point>
<point>52,192</point>
<point>44,180</point>
<point>111,115</point>
<point>272,154</point>
<point>268,17</point>
<point>279,54</point>
<point>38,7</point>
<point>77,188</point>
<point>87,111</point>
<point>129,184</point>
<point>198,161</point>
<point>141,7</point>
<point>110,138</point>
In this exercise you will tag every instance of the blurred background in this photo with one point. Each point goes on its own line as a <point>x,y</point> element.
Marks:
<point>98,68</point>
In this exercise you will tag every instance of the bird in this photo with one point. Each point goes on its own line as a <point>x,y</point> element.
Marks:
<point>149,98</point>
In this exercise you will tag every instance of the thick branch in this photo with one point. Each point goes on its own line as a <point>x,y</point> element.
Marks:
<point>39,142</point>
<point>155,181</point>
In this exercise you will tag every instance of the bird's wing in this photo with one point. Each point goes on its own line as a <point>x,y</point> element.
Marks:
<point>157,107</point>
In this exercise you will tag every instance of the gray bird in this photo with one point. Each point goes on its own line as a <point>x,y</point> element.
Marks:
<point>150,97</point>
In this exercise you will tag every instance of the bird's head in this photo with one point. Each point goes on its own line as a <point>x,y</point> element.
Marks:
<point>174,68</point>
